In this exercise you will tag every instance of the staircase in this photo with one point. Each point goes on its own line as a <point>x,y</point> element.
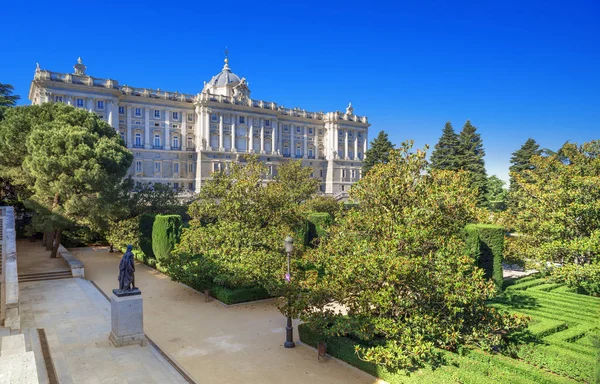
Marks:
<point>23,278</point>
<point>17,365</point>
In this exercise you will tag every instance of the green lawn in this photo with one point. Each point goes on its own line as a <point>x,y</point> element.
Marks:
<point>556,347</point>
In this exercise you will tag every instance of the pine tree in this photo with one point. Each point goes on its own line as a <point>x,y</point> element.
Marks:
<point>520,162</point>
<point>7,99</point>
<point>445,153</point>
<point>470,158</point>
<point>378,152</point>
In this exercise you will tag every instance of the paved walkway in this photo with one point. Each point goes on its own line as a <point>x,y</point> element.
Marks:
<point>32,257</point>
<point>215,344</point>
<point>76,319</point>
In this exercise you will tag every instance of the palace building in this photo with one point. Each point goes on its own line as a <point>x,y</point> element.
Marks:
<point>181,139</point>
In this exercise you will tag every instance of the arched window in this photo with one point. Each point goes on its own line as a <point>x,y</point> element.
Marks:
<point>298,150</point>
<point>268,146</point>
<point>176,142</point>
<point>214,141</point>
<point>190,142</point>
<point>227,141</point>
<point>138,140</point>
<point>156,141</point>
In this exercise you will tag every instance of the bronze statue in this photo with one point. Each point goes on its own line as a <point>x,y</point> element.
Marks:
<point>127,271</point>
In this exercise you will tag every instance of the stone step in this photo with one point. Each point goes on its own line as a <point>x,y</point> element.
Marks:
<point>12,345</point>
<point>4,332</point>
<point>33,344</point>
<point>18,368</point>
<point>45,276</point>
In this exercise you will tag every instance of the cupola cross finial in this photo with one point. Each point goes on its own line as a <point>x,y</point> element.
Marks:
<point>226,56</point>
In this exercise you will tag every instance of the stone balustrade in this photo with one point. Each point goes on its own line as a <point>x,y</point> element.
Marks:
<point>9,300</point>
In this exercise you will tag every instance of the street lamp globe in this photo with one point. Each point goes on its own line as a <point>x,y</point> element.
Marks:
<point>289,244</point>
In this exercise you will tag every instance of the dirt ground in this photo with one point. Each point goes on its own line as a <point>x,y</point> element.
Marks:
<point>213,343</point>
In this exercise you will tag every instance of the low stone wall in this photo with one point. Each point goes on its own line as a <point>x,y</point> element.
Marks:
<point>74,263</point>
<point>9,301</point>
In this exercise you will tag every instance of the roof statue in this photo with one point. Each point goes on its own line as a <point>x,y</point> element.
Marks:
<point>350,109</point>
<point>79,67</point>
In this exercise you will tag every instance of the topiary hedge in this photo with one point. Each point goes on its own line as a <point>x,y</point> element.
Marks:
<point>238,295</point>
<point>145,239</point>
<point>485,243</point>
<point>166,232</point>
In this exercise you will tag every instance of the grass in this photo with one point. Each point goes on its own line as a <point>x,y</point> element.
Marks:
<point>556,348</point>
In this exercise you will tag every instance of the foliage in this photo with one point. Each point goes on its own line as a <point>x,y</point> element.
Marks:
<point>470,159</point>
<point>166,232</point>
<point>520,162</point>
<point>584,278</point>
<point>378,152</point>
<point>7,99</point>
<point>445,153</point>
<point>496,195</point>
<point>238,295</point>
<point>485,243</point>
<point>557,205</point>
<point>237,227</point>
<point>397,266</point>
<point>146,225</point>
<point>124,232</point>
<point>326,204</point>
<point>318,225</point>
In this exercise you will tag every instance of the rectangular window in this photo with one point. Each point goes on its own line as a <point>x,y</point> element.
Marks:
<point>121,110</point>
<point>157,124</point>
<point>138,122</point>
<point>138,139</point>
<point>320,131</point>
<point>343,173</point>
<point>213,117</point>
<point>157,166</point>
<point>138,166</point>
<point>216,167</point>
<point>176,168</point>
<point>191,186</point>
<point>191,167</point>
<point>310,131</point>
<point>121,121</point>
<point>298,129</point>
<point>175,126</point>
<point>298,151</point>
<point>267,123</point>
<point>242,120</point>
<point>138,111</point>
<point>190,117</point>
<point>79,102</point>
<point>175,115</point>
<point>156,113</point>
<point>176,186</point>
<point>321,173</point>
<point>58,99</point>
<point>100,104</point>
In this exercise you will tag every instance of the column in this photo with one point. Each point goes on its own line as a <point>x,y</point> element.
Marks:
<point>198,128</point>
<point>316,143</point>
<point>207,128</point>
<point>274,137</point>
<point>250,134</point>
<point>147,142</point>
<point>346,145</point>
<point>183,135</point>
<point>69,100</point>
<point>305,141</point>
<point>90,104</point>
<point>221,132</point>
<point>336,141</point>
<point>233,125</point>
<point>366,140</point>
<point>129,133</point>
<point>292,142</point>
<point>355,145</point>
<point>167,129</point>
<point>262,135</point>
<point>109,112</point>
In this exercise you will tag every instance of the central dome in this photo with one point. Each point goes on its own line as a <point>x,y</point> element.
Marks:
<point>227,83</point>
<point>225,77</point>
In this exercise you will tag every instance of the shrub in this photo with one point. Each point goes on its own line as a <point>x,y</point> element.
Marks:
<point>145,234</point>
<point>584,278</point>
<point>238,295</point>
<point>485,243</point>
<point>124,232</point>
<point>166,231</point>
<point>317,224</point>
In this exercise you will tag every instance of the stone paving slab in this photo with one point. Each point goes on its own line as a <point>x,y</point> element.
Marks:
<point>76,319</point>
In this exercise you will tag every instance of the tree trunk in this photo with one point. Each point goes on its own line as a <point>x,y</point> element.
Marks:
<point>49,240</point>
<point>54,253</point>
<point>44,239</point>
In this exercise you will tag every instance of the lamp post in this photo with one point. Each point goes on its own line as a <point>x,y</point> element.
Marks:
<point>289,330</point>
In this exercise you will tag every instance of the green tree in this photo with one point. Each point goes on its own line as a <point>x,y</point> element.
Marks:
<point>74,158</point>
<point>445,153</point>
<point>520,162</point>
<point>7,99</point>
<point>397,266</point>
<point>378,152</point>
<point>470,158</point>
<point>235,236</point>
<point>557,205</point>
<point>166,232</point>
<point>497,195</point>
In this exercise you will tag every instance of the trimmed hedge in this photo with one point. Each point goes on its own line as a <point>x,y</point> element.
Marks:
<point>238,295</point>
<point>166,232</point>
<point>485,243</point>
<point>145,240</point>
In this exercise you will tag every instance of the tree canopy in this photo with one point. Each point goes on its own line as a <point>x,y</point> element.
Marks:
<point>520,162</point>
<point>496,195</point>
<point>470,159</point>
<point>446,152</point>
<point>378,152</point>
<point>397,266</point>
<point>557,205</point>
<point>7,99</point>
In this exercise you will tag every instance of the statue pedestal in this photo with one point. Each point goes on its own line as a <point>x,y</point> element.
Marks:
<point>127,319</point>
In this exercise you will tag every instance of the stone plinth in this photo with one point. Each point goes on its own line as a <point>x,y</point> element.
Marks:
<point>127,319</point>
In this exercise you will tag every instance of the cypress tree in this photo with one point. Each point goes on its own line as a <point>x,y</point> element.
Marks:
<point>378,152</point>
<point>520,162</point>
<point>470,158</point>
<point>445,152</point>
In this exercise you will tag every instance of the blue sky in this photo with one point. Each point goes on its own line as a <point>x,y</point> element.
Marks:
<point>516,69</point>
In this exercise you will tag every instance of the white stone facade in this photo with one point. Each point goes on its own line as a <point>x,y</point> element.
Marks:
<point>180,139</point>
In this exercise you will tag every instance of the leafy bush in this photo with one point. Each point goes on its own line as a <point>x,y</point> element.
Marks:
<point>165,235</point>
<point>145,234</point>
<point>485,243</point>
<point>584,278</point>
<point>124,232</point>
<point>238,295</point>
